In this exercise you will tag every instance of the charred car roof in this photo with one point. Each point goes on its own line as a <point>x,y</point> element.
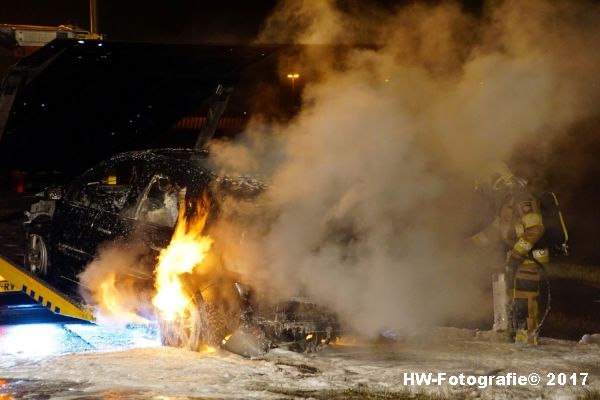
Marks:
<point>189,166</point>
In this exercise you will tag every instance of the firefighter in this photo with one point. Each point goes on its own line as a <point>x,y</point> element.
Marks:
<point>518,223</point>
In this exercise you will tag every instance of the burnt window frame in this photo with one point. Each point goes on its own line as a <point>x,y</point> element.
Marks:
<point>143,195</point>
<point>96,177</point>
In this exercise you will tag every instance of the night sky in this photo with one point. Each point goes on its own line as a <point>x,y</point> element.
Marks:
<point>174,21</point>
<point>184,21</point>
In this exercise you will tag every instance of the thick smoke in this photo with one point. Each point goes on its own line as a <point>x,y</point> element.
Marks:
<point>369,182</point>
<point>117,284</point>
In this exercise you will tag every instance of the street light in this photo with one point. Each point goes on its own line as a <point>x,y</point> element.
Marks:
<point>93,17</point>
<point>293,77</point>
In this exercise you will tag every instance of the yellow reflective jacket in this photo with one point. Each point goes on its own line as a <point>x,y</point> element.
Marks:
<point>520,225</point>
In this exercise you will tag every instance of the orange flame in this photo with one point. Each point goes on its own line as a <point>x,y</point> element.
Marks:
<point>208,349</point>
<point>346,341</point>
<point>112,303</point>
<point>186,251</point>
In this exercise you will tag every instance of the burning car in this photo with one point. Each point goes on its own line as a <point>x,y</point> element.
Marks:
<point>130,192</point>
<point>167,199</point>
<point>131,97</point>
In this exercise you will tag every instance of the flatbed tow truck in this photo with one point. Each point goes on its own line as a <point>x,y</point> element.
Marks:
<point>16,285</point>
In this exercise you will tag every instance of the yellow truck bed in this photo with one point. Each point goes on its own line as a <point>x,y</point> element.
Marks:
<point>14,279</point>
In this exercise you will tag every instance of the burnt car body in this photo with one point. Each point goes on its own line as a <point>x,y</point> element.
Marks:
<point>126,194</point>
<point>139,195</point>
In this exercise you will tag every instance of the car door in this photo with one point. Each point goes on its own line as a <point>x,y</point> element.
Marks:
<point>72,236</point>
<point>91,214</point>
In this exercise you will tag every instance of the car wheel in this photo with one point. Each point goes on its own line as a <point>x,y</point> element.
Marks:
<point>36,258</point>
<point>186,330</point>
<point>201,324</point>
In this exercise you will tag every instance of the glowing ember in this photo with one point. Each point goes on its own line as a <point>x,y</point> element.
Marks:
<point>208,349</point>
<point>347,341</point>
<point>226,338</point>
<point>187,250</point>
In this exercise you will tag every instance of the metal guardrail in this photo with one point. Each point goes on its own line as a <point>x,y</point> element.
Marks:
<point>15,279</point>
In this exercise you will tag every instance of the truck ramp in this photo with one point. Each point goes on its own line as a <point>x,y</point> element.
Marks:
<point>14,279</point>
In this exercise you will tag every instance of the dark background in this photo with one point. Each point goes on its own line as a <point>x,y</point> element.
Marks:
<point>180,21</point>
<point>570,167</point>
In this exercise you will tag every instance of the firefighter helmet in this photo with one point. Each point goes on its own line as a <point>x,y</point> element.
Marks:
<point>498,177</point>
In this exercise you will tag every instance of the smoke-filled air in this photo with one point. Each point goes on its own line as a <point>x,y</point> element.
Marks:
<point>111,282</point>
<point>369,185</point>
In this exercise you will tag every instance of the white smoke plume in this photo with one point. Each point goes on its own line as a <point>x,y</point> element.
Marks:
<point>370,180</point>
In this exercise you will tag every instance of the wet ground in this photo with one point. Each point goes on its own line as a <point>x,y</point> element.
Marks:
<point>24,341</point>
<point>27,343</point>
<point>85,365</point>
<point>36,389</point>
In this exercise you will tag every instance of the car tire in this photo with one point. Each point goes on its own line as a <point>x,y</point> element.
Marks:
<point>186,330</point>
<point>37,256</point>
<point>201,324</point>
